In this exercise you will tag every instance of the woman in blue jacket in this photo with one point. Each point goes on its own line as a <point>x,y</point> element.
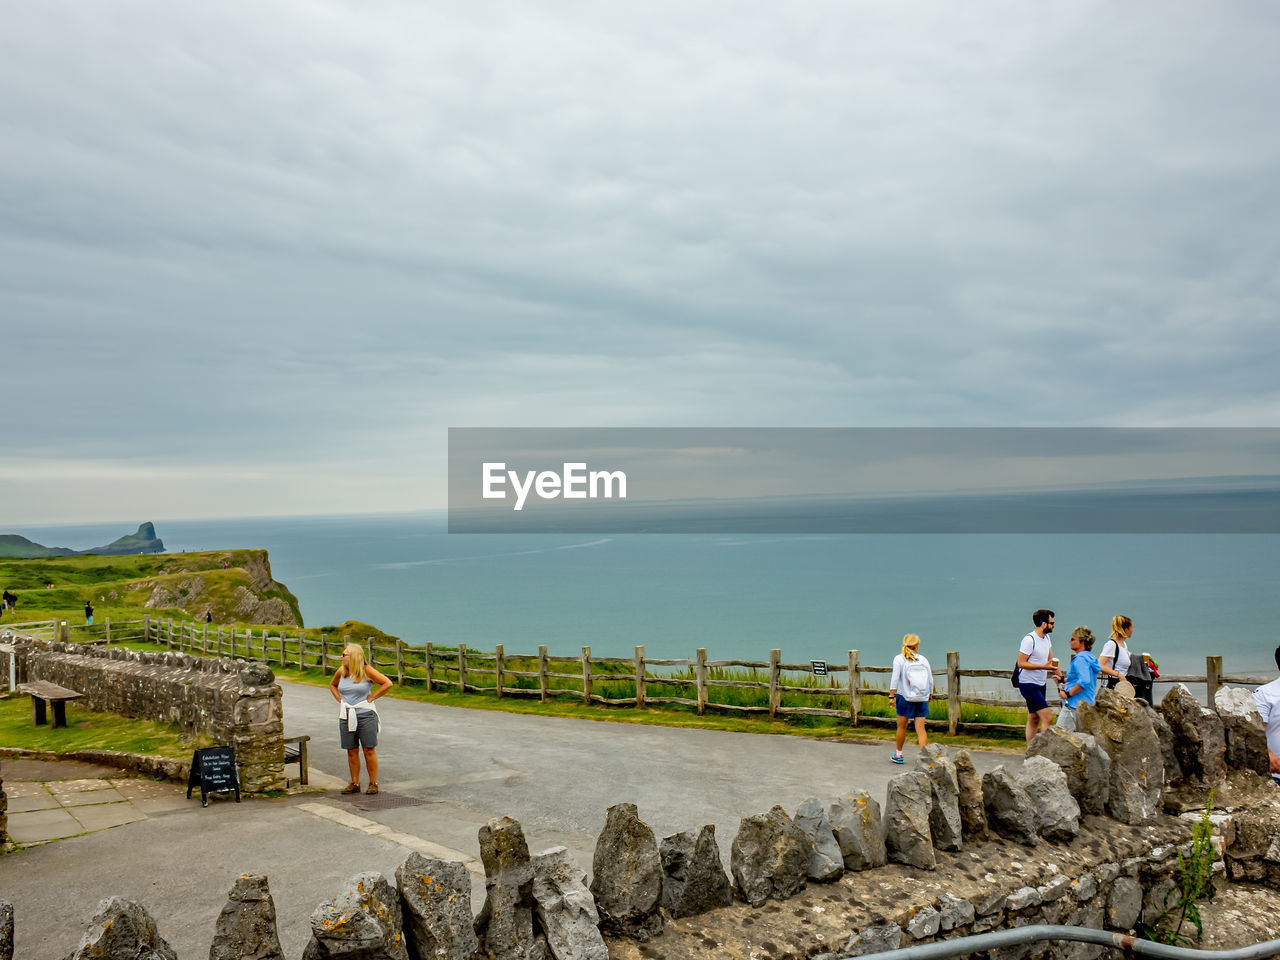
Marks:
<point>1080,685</point>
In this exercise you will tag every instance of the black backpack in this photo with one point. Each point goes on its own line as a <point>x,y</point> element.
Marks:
<point>1016,675</point>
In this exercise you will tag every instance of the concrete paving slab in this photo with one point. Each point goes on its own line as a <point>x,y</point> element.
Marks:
<point>103,815</point>
<point>45,770</point>
<point>41,801</point>
<point>24,788</point>
<point>42,825</point>
<point>80,786</point>
<point>108,795</point>
<point>153,797</point>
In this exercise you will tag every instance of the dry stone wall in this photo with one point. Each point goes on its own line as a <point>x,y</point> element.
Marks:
<point>233,702</point>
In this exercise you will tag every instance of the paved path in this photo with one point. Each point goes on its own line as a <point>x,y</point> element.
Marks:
<point>455,769</point>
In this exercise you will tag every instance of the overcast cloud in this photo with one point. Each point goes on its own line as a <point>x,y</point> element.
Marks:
<point>255,258</point>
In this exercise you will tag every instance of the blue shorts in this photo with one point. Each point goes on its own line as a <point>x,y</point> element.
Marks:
<point>909,708</point>
<point>1033,693</point>
<point>364,735</point>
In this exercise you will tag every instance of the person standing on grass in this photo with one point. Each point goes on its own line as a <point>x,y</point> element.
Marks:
<point>88,613</point>
<point>1035,661</point>
<point>910,688</point>
<point>358,720</point>
<point>1081,683</point>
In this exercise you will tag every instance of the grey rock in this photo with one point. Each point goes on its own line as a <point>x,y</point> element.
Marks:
<point>505,923</point>
<point>955,912</point>
<point>1198,738</point>
<point>1246,744</point>
<point>769,857</point>
<point>826,862</point>
<point>907,806</point>
<point>991,900</point>
<point>925,923</point>
<point>1173,774</point>
<point>988,922</point>
<point>945,825</point>
<point>1124,904</point>
<point>1087,914</point>
<point>363,921</point>
<point>1130,866</point>
<point>436,900</point>
<point>878,939</point>
<point>1086,765</point>
<point>6,930</point>
<point>1056,811</point>
<point>122,930</point>
<point>1108,872</point>
<point>626,875</point>
<point>973,811</point>
<point>1057,888</point>
<point>1125,730</point>
<point>1010,811</point>
<point>1236,702</point>
<point>1158,897</point>
<point>855,821</point>
<point>694,880</point>
<point>1022,898</point>
<point>565,908</point>
<point>1084,887</point>
<point>246,928</point>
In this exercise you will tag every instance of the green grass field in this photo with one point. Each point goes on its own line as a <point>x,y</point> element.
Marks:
<point>87,730</point>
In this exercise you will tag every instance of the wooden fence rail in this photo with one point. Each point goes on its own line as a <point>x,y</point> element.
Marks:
<point>460,669</point>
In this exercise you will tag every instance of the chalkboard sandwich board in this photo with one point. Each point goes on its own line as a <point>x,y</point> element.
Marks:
<point>213,769</point>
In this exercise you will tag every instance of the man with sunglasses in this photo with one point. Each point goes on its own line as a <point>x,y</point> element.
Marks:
<point>1035,663</point>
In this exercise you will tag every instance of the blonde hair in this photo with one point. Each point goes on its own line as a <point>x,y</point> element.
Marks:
<point>910,646</point>
<point>355,666</point>
<point>1119,624</point>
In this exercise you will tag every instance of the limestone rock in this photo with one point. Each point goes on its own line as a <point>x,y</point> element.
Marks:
<point>1198,738</point>
<point>122,930</point>
<point>565,907</point>
<point>945,825</point>
<point>855,821</point>
<point>626,875</point>
<point>246,928</point>
<point>364,921</point>
<point>907,838</point>
<point>1236,702</point>
<point>1158,897</point>
<point>1173,774</point>
<point>956,912</point>
<point>6,930</point>
<point>436,897</point>
<point>973,812</point>
<point>826,862</point>
<point>694,880</point>
<point>886,936</point>
<point>925,923</point>
<point>1057,813</point>
<point>769,857</point>
<point>1010,812</point>
<point>1245,735</point>
<point>1124,903</point>
<point>505,923</point>
<point>1125,730</point>
<point>1086,765</point>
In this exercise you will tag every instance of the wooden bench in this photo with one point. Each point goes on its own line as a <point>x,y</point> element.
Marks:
<point>42,692</point>
<point>295,751</point>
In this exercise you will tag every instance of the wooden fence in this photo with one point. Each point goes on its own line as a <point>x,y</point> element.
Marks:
<point>458,668</point>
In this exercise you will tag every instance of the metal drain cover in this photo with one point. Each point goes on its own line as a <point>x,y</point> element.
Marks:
<point>380,801</point>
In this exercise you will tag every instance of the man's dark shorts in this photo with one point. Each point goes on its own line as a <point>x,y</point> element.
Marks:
<point>1033,693</point>
<point>364,735</point>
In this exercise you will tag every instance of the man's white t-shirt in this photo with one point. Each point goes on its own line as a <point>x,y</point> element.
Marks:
<point>1037,650</point>
<point>1118,654</point>
<point>1267,697</point>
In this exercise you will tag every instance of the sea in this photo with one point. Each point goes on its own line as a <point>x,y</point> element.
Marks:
<point>812,596</point>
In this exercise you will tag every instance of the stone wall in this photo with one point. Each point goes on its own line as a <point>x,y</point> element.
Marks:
<point>232,702</point>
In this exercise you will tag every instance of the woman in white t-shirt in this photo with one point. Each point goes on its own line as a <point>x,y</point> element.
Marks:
<point>1115,652</point>
<point>910,687</point>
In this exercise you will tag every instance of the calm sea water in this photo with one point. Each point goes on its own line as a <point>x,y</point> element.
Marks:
<point>812,596</point>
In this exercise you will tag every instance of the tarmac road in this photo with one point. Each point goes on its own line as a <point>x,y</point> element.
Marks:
<point>556,776</point>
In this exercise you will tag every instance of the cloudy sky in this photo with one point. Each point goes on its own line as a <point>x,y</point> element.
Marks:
<point>255,258</point>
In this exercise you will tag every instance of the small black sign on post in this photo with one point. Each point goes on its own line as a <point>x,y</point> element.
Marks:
<point>819,667</point>
<point>213,769</point>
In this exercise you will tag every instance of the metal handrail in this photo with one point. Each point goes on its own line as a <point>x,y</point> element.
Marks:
<point>1016,936</point>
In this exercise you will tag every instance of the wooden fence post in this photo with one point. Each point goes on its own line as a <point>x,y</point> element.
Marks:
<point>462,668</point>
<point>169,633</point>
<point>106,622</point>
<point>586,676</point>
<point>543,684</point>
<point>639,676</point>
<point>324,651</point>
<point>855,687</point>
<point>499,669</point>
<point>64,631</point>
<point>700,675</point>
<point>953,690</point>
<point>400,662</point>
<point>369,643</point>
<point>1212,673</point>
<point>146,628</point>
<point>266,656</point>
<point>775,677</point>
<point>427,661</point>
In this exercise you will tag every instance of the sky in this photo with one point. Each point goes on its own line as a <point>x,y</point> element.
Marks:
<point>257,258</point>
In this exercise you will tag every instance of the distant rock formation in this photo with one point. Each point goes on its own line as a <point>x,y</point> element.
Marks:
<point>143,541</point>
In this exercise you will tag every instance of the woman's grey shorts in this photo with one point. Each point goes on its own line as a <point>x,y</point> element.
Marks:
<point>364,735</point>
